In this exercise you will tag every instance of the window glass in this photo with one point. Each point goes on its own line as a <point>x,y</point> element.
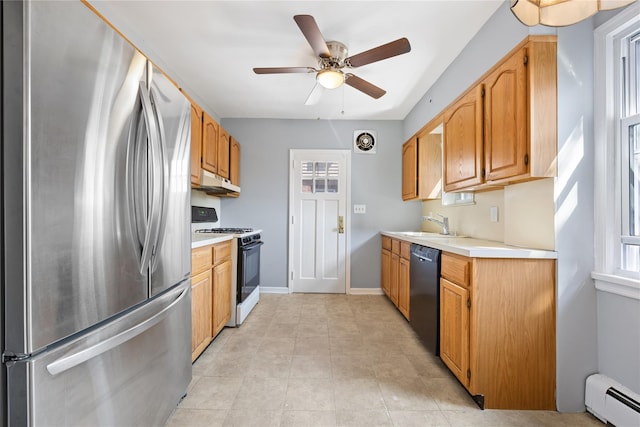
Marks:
<point>307,177</point>
<point>634,179</point>
<point>629,125</point>
<point>320,177</point>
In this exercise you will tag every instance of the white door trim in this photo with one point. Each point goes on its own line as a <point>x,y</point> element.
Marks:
<point>347,225</point>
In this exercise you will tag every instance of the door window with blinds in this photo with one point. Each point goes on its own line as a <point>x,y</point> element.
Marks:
<point>320,177</point>
<point>630,151</point>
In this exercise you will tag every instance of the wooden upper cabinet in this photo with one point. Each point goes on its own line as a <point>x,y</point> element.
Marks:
<point>505,119</point>
<point>234,162</point>
<point>462,145</point>
<point>422,163</point>
<point>223,152</point>
<point>196,143</point>
<point>504,129</point>
<point>542,108</point>
<point>430,164</point>
<point>210,144</point>
<point>410,169</point>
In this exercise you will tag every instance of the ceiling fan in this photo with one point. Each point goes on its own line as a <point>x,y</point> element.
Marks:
<point>332,59</point>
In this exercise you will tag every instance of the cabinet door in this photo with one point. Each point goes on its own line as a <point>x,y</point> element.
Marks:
<point>385,278</point>
<point>201,311</point>
<point>410,169</point>
<point>429,166</point>
<point>209,144</point>
<point>454,329</point>
<point>196,143</point>
<point>462,156</point>
<point>505,119</point>
<point>394,279</point>
<point>223,152</point>
<point>403,288</point>
<point>234,162</point>
<point>221,295</point>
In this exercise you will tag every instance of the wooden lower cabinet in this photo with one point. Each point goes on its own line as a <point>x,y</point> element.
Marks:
<point>395,273</point>
<point>386,271</point>
<point>454,329</point>
<point>403,288</point>
<point>201,322</point>
<point>497,329</point>
<point>221,295</point>
<point>210,294</point>
<point>395,278</point>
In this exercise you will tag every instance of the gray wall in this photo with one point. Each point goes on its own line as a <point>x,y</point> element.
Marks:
<point>576,334</point>
<point>619,339</point>
<point>577,346</point>
<point>376,180</point>
<point>495,39</point>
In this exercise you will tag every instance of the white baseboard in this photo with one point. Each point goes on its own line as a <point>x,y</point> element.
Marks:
<point>274,289</point>
<point>366,291</point>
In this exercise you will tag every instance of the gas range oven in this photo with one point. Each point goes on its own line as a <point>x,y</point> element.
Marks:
<point>245,262</point>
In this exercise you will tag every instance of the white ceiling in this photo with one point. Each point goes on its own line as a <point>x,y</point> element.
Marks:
<point>210,47</point>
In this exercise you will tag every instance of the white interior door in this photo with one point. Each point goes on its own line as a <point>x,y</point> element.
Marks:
<point>319,224</point>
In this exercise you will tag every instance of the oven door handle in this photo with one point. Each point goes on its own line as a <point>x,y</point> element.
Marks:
<point>251,246</point>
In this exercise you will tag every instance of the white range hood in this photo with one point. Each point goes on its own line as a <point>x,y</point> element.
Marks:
<point>215,184</point>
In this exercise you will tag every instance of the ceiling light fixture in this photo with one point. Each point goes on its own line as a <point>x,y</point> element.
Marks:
<point>330,78</point>
<point>558,13</point>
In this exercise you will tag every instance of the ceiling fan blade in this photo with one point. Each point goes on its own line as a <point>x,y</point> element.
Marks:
<point>282,70</point>
<point>315,95</point>
<point>312,33</point>
<point>364,86</point>
<point>379,53</point>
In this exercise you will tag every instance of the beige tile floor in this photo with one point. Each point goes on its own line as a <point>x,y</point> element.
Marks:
<point>333,360</point>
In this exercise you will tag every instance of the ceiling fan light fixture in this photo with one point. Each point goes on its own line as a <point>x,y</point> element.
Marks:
<point>330,78</point>
<point>559,13</point>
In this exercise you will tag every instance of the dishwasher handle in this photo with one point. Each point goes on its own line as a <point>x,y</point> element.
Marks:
<point>422,258</point>
<point>424,253</point>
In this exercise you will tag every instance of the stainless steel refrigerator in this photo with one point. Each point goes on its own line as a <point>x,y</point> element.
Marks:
<point>96,319</point>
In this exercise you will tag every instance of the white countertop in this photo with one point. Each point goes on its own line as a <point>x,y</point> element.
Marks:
<point>199,240</point>
<point>470,247</point>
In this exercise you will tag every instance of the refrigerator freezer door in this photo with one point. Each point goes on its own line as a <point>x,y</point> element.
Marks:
<point>82,253</point>
<point>131,371</point>
<point>172,247</point>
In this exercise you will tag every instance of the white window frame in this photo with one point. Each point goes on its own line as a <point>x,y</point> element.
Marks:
<point>608,207</point>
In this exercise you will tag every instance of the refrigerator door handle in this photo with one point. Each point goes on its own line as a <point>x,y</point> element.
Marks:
<point>68,362</point>
<point>160,161</point>
<point>153,135</point>
<point>136,184</point>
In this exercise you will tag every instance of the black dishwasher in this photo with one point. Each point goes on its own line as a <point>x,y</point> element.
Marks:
<point>425,295</point>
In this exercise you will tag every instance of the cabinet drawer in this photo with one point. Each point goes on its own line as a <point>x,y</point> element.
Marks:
<point>200,260</point>
<point>395,246</point>
<point>386,243</point>
<point>221,251</point>
<point>405,250</point>
<point>455,268</point>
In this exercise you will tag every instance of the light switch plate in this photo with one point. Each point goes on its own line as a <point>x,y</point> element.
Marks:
<point>359,209</point>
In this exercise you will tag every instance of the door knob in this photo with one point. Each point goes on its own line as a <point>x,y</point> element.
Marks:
<point>341,224</point>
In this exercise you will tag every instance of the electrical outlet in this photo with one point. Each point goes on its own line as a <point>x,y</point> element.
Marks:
<point>359,209</point>
<point>493,214</point>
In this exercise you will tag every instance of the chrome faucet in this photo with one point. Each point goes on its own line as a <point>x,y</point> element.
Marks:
<point>444,223</point>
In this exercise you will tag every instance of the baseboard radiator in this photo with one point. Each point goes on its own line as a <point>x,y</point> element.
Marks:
<point>611,402</point>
